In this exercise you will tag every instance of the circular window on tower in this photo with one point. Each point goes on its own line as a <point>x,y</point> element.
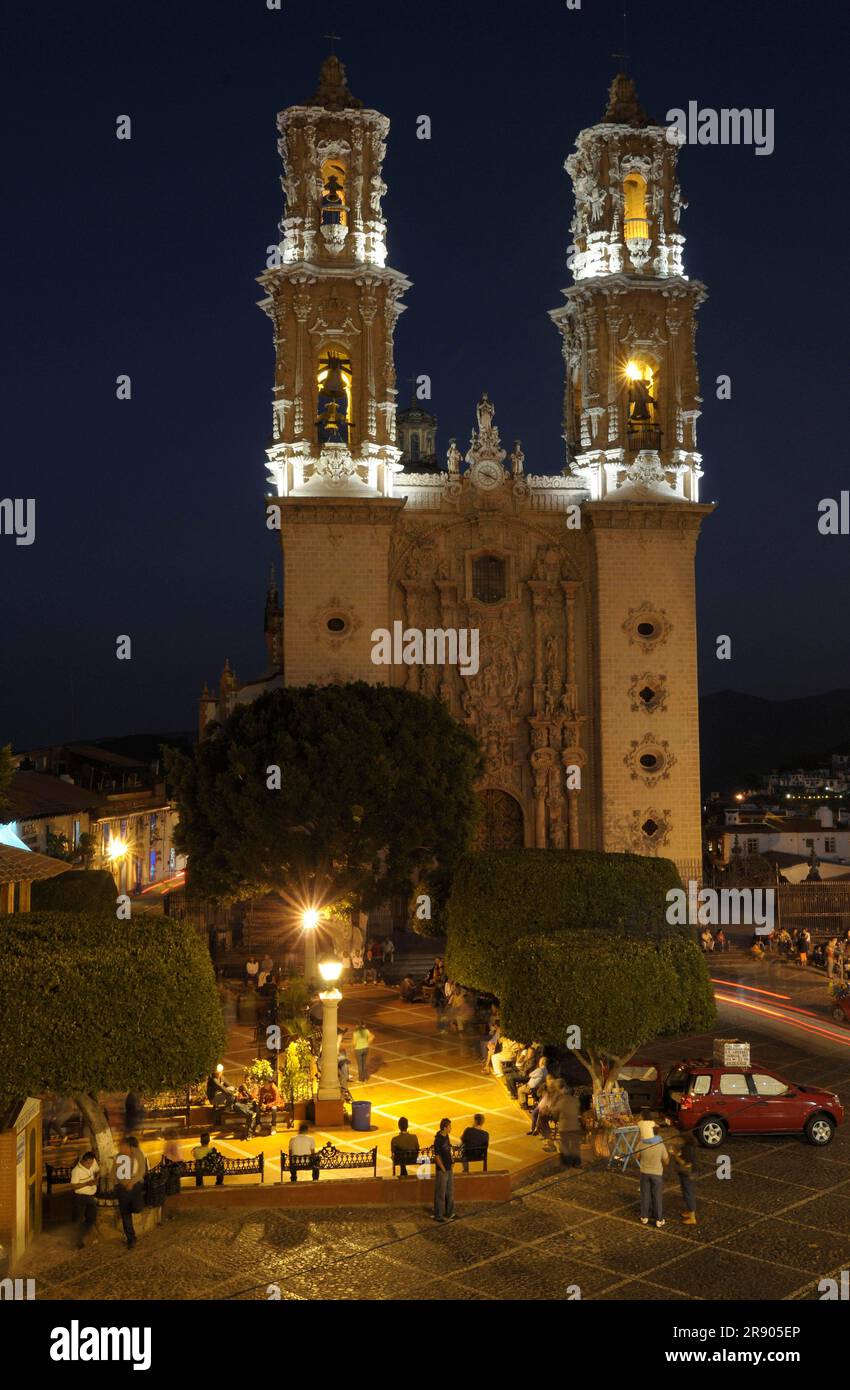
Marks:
<point>649,760</point>
<point>647,626</point>
<point>334,622</point>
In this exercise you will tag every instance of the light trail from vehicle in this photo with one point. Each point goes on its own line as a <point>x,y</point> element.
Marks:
<point>733,984</point>
<point>784,1016</point>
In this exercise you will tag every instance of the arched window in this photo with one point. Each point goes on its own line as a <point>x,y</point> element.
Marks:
<point>635,219</point>
<point>414,448</point>
<point>334,207</point>
<point>642,411</point>
<point>334,385</point>
<point>488,578</point>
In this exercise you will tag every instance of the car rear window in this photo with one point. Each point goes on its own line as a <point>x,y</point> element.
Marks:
<point>699,1085</point>
<point>733,1083</point>
<point>638,1073</point>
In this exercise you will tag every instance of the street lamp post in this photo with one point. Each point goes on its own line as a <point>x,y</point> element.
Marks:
<point>309,922</point>
<point>329,1108</point>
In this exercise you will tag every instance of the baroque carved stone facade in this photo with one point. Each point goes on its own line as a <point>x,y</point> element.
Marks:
<point>579,584</point>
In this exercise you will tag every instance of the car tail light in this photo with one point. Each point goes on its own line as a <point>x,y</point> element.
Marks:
<point>686,1102</point>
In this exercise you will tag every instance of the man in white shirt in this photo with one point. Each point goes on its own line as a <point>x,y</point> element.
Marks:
<point>84,1176</point>
<point>300,1145</point>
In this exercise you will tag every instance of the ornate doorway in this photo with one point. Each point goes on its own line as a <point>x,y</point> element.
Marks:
<point>501,824</point>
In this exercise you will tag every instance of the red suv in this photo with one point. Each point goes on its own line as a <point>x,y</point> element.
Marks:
<point>714,1101</point>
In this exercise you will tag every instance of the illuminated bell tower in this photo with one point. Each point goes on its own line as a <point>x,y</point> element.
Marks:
<point>631,397</point>
<point>333,300</point>
<point>333,455</point>
<point>631,403</point>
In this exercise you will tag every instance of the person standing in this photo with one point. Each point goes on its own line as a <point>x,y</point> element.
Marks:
<point>84,1188</point>
<point>685,1158</point>
<point>569,1129</point>
<point>357,965</point>
<point>130,1169</point>
<point>252,971</point>
<point>831,946</point>
<point>444,1193</point>
<point>652,1158</point>
<point>301,1145</point>
<point>362,1039</point>
<point>388,950</point>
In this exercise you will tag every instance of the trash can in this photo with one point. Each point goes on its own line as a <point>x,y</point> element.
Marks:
<point>361,1114</point>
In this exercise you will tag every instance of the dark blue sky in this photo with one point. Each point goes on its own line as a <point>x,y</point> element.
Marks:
<point>138,257</point>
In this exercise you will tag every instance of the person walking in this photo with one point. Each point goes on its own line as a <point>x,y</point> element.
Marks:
<point>685,1159</point>
<point>84,1202</point>
<point>444,1188</point>
<point>130,1169</point>
<point>652,1158</point>
<point>362,1039</point>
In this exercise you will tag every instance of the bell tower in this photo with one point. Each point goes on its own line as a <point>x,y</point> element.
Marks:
<point>333,455</point>
<point>631,392</point>
<point>631,404</point>
<point>333,300</point>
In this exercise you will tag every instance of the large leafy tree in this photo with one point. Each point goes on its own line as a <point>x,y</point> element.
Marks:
<point>605,994</point>
<point>375,793</point>
<point>578,940</point>
<point>89,1003</point>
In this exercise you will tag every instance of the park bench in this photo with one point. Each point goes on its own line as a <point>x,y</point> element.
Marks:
<point>459,1155</point>
<point>330,1158</point>
<point>55,1175</point>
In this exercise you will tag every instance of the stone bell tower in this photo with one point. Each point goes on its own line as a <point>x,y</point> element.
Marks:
<point>631,403</point>
<point>333,455</point>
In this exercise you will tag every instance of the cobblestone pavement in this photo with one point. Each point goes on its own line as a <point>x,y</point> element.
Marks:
<point>777,1226</point>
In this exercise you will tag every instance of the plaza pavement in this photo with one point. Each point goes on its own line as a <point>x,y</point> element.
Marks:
<point>771,1231</point>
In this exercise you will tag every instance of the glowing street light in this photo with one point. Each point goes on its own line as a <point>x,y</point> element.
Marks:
<point>309,921</point>
<point>117,848</point>
<point>329,1097</point>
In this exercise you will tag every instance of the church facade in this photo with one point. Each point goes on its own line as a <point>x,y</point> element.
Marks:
<point>579,586</point>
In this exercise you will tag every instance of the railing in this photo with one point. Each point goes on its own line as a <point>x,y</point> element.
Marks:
<point>330,1157</point>
<point>636,229</point>
<point>643,437</point>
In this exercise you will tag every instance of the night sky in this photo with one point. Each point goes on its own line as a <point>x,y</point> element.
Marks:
<point>139,257</point>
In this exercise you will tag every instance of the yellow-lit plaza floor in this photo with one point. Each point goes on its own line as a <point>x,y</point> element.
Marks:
<point>414,1070</point>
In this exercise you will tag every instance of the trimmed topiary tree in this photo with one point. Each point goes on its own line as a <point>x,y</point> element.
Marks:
<point>618,992</point>
<point>79,890</point>
<point>498,895</point>
<point>90,1003</point>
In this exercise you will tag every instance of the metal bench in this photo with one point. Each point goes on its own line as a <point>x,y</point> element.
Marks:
<point>459,1155</point>
<point>329,1158</point>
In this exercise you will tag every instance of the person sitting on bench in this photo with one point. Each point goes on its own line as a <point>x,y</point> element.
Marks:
<point>269,1100</point>
<point>207,1160</point>
<point>404,1147</point>
<point>225,1099</point>
<point>475,1140</point>
<point>300,1145</point>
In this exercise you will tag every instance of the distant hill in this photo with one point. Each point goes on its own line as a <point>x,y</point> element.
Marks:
<point>744,735</point>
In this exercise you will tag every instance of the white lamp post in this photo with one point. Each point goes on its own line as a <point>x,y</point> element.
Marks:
<point>329,1109</point>
<point>309,922</point>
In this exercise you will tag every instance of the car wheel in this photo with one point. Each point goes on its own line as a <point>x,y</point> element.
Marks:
<point>711,1132</point>
<point>820,1129</point>
<point>839,1014</point>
